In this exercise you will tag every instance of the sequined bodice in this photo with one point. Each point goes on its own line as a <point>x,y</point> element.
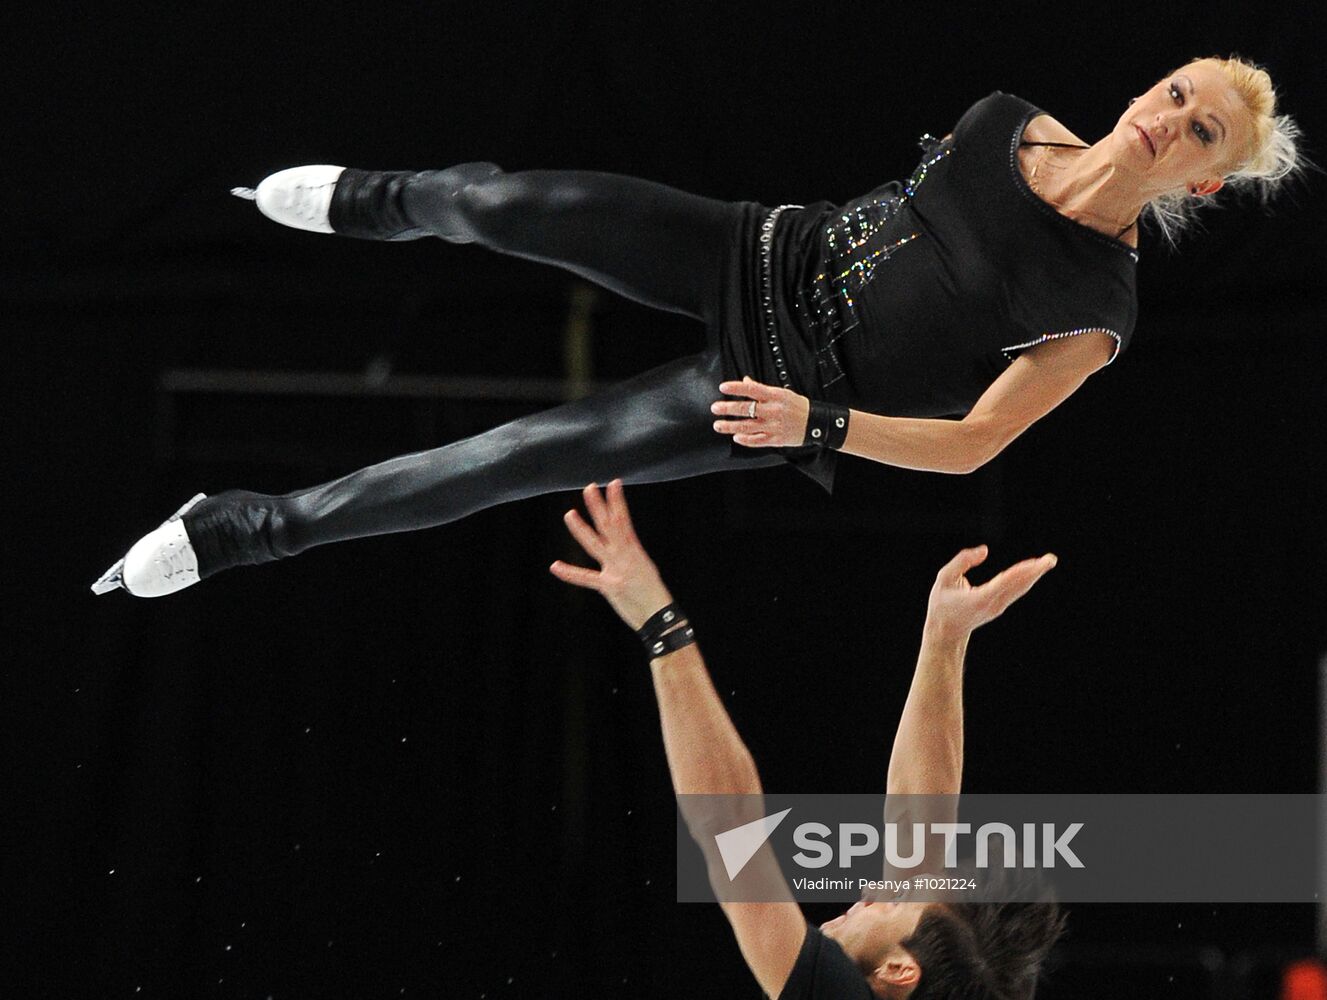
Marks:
<point>916,296</point>
<point>857,239</point>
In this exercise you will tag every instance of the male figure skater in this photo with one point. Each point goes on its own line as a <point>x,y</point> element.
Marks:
<point>888,950</point>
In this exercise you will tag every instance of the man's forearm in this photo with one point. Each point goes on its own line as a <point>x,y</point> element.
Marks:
<point>927,758</point>
<point>926,764</point>
<point>706,756</point>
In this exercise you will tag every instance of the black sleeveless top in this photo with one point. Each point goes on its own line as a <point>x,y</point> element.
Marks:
<point>913,299</point>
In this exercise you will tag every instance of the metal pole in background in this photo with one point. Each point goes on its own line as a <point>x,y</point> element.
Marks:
<point>578,341</point>
<point>578,371</point>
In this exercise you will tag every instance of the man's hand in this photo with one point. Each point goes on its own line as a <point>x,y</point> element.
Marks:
<point>778,419</point>
<point>627,576</point>
<point>956,608</point>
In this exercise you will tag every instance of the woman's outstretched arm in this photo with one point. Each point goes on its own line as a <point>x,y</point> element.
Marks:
<point>1040,379</point>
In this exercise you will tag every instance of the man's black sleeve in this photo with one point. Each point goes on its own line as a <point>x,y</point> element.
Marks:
<point>823,972</point>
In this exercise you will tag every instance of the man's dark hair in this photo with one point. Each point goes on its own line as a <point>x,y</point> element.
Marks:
<point>983,951</point>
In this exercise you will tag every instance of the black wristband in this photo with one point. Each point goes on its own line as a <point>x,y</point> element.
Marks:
<point>661,621</point>
<point>671,642</point>
<point>657,638</point>
<point>826,425</point>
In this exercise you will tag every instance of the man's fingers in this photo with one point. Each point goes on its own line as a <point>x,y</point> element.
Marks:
<point>617,499</point>
<point>594,503</point>
<point>621,514</point>
<point>586,537</point>
<point>1017,580</point>
<point>953,570</point>
<point>577,576</point>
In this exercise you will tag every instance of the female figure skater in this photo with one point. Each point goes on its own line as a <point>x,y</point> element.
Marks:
<point>988,286</point>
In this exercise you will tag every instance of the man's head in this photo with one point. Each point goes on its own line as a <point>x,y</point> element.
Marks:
<point>872,935</point>
<point>964,951</point>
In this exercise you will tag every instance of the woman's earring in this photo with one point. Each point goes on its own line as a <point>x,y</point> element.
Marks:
<point>1133,101</point>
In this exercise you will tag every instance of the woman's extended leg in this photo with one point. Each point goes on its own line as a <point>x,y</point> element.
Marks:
<point>654,427</point>
<point>652,243</point>
<point>647,241</point>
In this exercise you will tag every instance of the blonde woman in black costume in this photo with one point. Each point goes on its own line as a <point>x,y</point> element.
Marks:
<point>987,288</point>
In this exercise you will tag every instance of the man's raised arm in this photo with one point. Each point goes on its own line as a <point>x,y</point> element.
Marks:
<point>927,758</point>
<point>706,756</point>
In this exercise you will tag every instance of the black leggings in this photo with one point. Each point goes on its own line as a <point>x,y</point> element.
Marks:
<point>651,243</point>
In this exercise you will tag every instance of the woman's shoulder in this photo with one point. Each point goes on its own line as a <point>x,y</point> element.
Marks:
<point>997,110</point>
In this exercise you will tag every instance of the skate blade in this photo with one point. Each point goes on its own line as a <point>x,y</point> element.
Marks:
<point>112,579</point>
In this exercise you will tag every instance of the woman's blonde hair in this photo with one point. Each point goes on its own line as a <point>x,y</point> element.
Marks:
<point>1272,156</point>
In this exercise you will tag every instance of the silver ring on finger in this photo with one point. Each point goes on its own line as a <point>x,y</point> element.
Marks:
<point>751,411</point>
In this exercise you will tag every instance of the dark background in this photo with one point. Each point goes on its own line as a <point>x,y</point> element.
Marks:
<point>417,765</point>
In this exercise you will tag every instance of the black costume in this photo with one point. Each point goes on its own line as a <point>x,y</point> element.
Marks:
<point>824,972</point>
<point>909,301</point>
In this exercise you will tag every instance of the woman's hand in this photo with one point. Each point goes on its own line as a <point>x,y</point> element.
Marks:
<point>777,420</point>
<point>957,608</point>
<point>627,577</point>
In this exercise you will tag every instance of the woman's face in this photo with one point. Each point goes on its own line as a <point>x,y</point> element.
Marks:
<point>1186,132</point>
